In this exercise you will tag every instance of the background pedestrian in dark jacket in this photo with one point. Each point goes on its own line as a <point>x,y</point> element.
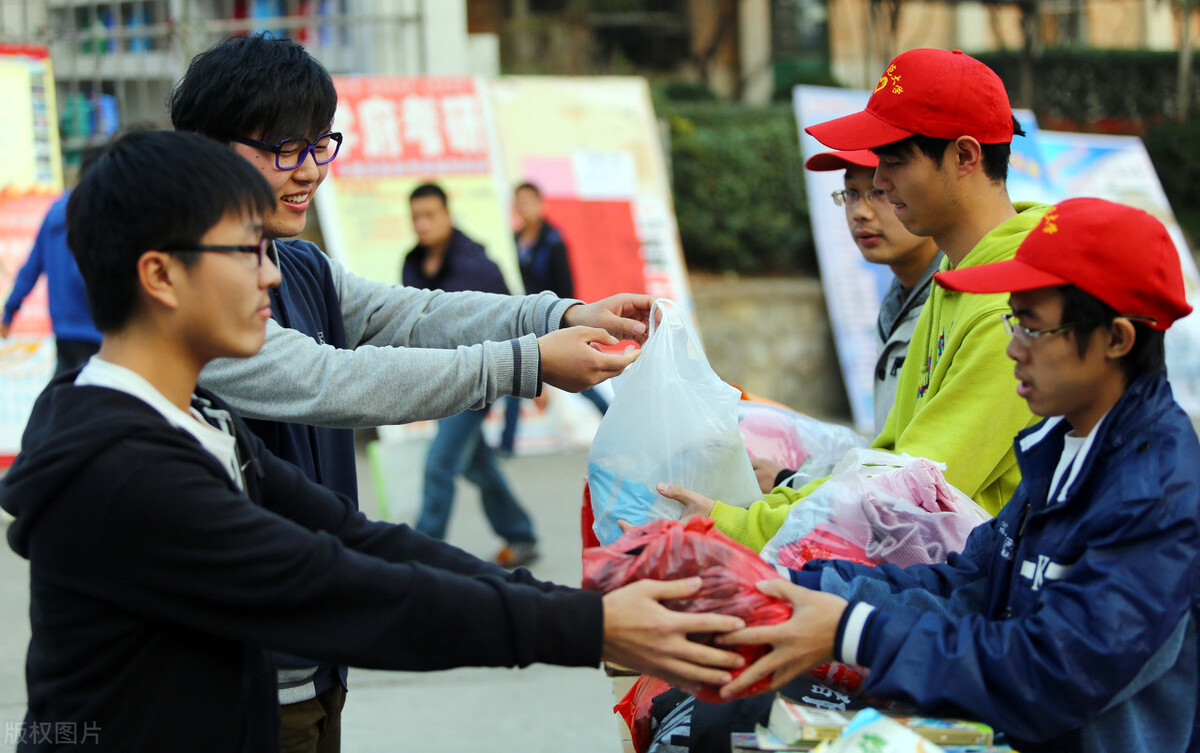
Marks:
<point>446,259</point>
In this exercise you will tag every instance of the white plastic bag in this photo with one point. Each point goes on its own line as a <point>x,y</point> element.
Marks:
<point>802,443</point>
<point>877,508</point>
<point>672,420</point>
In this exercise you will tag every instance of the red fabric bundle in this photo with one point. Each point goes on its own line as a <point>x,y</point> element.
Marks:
<point>637,707</point>
<point>670,550</point>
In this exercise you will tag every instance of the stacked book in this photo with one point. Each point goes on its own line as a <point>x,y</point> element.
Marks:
<point>796,726</point>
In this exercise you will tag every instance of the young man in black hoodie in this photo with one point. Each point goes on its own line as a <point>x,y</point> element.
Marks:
<point>169,551</point>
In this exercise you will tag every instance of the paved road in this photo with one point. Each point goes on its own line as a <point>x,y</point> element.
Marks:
<point>538,709</point>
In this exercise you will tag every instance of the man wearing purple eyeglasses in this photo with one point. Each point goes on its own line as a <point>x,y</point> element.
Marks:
<point>343,352</point>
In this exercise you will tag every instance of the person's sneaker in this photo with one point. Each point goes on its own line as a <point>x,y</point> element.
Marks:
<point>516,555</point>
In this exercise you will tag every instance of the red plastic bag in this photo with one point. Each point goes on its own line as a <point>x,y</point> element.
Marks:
<point>636,708</point>
<point>669,550</point>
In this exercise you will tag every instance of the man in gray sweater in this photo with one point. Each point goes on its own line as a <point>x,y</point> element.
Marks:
<point>343,352</point>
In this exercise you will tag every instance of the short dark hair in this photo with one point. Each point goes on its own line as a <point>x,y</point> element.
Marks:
<point>152,190</point>
<point>1087,313</point>
<point>429,189</point>
<point>254,85</point>
<point>994,156</point>
<point>527,186</point>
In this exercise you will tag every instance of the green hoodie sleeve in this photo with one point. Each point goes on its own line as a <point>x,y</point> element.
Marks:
<point>755,526</point>
<point>956,403</point>
<point>980,392</point>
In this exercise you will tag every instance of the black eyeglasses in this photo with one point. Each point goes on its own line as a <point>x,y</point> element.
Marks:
<point>290,153</point>
<point>1024,335</point>
<point>259,249</point>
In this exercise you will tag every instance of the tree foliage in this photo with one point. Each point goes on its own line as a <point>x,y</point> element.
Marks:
<point>739,189</point>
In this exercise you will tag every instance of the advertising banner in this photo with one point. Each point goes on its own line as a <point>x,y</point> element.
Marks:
<point>1118,168</point>
<point>30,181</point>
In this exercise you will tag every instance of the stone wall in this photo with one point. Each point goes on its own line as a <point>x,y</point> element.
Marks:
<point>771,337</point>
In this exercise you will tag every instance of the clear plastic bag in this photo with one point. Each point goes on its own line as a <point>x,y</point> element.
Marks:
<point>808,445</point>
<point>878,508</point>
<point>672,420</point>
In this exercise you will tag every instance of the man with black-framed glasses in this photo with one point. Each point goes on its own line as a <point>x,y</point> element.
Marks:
<point>169,551</point>
<point>342,352</point>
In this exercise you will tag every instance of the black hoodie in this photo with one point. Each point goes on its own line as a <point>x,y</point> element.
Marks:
<point>157,587</point>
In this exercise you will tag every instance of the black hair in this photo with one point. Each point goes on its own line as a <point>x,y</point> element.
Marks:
<point>527,186</point>
<point>88,158</point>
<point>429,189</point>
<point>258,86</point>
<point>152,190</point>
<point>1087,313</point>
<point>994,156</point>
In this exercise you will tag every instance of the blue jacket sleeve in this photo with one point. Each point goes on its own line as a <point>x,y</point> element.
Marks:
<point>1098,634</point>
<point>561,281</point>
<point>27,277</point>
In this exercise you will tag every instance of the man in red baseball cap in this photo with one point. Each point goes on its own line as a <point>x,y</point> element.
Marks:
<point>941,125</point>
<point>881,239</point>
<point>1069,621</point>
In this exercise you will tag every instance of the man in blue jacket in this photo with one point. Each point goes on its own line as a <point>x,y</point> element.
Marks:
<point>1069,622</point>
<point>76,339</point>
<point>542,256</point>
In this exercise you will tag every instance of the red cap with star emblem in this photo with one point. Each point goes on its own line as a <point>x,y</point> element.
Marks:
<point>1119,254</point>
<point>828,161</point>
<point>938,93</point>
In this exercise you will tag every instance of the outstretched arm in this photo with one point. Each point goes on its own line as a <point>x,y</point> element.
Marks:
<point>294,378</point>
<point>26,278</point>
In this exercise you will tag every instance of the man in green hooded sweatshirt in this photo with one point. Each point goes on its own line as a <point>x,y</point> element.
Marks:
<point>942,127</point>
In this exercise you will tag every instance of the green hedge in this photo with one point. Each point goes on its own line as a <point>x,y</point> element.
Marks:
<point>1175,150</point>
<point>738,181</point>
<point>1110,91</point>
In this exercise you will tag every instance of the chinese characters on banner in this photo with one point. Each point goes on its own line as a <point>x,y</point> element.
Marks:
<point>399,133</point>
<point>410,126</point>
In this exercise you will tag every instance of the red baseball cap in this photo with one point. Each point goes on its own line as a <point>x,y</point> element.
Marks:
<point>1119,254</point>
<point>938,93</point>
<point>829,161</point>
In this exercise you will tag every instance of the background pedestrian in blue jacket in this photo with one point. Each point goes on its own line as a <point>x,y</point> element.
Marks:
<point>545,265</point>
<point>76,339</point>
<point>1069,621</point>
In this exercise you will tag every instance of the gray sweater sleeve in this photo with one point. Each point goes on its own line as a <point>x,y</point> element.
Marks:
<point>412,355</point>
